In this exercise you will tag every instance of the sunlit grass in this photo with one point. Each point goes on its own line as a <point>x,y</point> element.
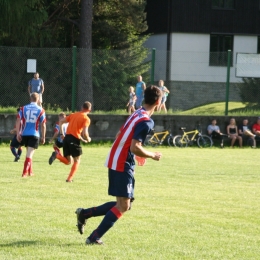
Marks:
<point>193,204</point>
<point>217,109</point>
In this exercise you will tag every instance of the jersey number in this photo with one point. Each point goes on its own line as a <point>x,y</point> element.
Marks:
<point>31,116</point>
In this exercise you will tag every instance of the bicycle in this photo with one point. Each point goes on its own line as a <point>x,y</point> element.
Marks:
<point>157,138</point>
<point>203,141</point>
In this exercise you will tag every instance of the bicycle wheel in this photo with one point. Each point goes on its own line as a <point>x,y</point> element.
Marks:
<point>150,140</point>
<point>204,141</point>
<point>180,141</point>
<point>170,140</point>
<point>147,140</point>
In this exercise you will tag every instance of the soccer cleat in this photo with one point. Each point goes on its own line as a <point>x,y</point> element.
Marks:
<point>17,158</point>
<point>81,221</point>
<point>96,242</point>
<point>52,158</point>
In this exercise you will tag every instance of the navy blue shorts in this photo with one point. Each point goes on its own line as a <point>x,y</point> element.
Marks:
<point>15,143</point>
<point>59,144</point>
<point>121,184</point>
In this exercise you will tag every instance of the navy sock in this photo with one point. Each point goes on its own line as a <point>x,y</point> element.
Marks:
<point>98,211</point>
<point>13,150</point>
<point>19,151</point>
<point>108,221</point>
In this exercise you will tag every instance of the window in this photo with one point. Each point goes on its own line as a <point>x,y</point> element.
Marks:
<point>223,4</point>
<point>219,45</point>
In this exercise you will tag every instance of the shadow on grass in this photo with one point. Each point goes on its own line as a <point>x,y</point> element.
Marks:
<point>247,109</point>
<point>20,244</point>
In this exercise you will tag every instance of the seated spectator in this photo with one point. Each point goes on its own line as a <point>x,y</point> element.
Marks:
<point>244,131</point>
<point>214,132</point>
<point>233,133</point>
<point>256,127</point>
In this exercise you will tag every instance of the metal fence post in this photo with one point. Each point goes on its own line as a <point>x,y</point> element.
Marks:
<point>153,66</point>
<point>74,63</point>
<point>227,82</point>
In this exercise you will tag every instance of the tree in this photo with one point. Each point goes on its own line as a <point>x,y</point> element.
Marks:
<point>85,90</point>
<point>21,21</point>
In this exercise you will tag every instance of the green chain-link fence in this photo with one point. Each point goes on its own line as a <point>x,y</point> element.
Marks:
<point>109,72</point>
<point>194,78</point>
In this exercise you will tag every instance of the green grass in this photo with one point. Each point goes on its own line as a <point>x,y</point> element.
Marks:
<point>218,109</point>
<point>193,204</point>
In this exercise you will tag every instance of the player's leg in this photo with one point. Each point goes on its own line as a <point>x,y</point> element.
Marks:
<point>121,185</point>
<point>56,147</point>
<point>84,214</point>
<point>76,152</point>
<point>13,146</point>
<point>66,159</point>
<point>28,161</point>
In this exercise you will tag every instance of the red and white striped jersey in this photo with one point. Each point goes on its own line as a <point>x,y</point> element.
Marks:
<point>137,126</point>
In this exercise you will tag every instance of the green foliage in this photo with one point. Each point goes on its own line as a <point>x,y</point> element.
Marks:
<point>21,22</point>
<point>249,91</point>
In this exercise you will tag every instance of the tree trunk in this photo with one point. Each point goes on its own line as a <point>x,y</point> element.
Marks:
<point>85,89</point>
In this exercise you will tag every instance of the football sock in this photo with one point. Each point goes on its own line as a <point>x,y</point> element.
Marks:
<point>98,211</point>
<point>73,170</point>
<point>13,150</point>
<point>57,150</point>
<point>27,165</point>
<point>30,169</point>
<point>19,151</point>
<point>108,221</point>
<point>62,159</point>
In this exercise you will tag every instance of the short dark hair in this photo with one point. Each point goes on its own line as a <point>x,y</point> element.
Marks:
<point>152,94</point>
<point>86,105</point>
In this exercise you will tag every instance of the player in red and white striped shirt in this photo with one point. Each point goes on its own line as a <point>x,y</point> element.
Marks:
<point>120,163</point>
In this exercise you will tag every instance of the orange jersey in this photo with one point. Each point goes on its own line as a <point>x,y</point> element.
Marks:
<point>77,121</point>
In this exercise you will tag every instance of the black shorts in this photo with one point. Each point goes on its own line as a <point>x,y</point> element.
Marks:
<point>58,144</point>
<point>71,146</point>
<point>14,143</point>
<point>121,184</point>
<point>30,141</point>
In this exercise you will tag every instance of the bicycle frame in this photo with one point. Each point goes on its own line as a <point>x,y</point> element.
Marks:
<point>186,134</point>
<point>157,134</point>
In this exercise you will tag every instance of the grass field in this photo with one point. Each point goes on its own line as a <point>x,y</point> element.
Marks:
<point>193,204</point>
<point>217,109</point>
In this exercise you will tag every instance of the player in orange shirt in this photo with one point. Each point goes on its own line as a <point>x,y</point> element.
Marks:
<point>77,131</point>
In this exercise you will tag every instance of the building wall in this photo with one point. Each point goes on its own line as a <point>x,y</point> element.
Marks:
<point>190,57</point>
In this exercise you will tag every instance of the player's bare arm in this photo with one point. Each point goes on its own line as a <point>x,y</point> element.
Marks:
<point>85,135</point>
<point>13,131</point>
<point>17,127</point>
<point>43,132</point>
<point>61,122</point>
<point>54,137</point>
<point>137,148</point>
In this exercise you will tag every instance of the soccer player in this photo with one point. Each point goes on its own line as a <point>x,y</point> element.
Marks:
<point>57,137</point>
<point>77,131</point>
<point>15,144</point>
<point>30,116</point>
<point>120,163</point>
